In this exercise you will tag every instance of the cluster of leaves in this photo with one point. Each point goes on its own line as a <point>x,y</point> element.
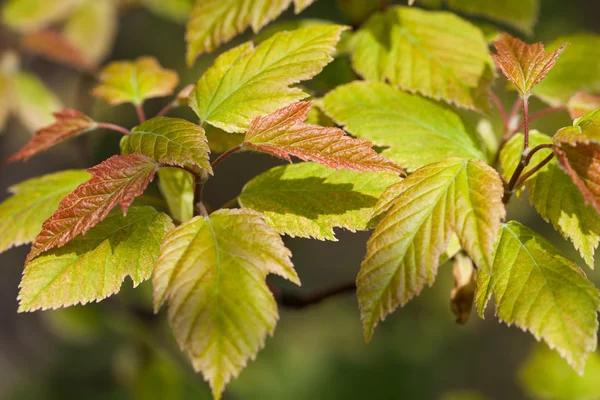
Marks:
<point>431,194</point>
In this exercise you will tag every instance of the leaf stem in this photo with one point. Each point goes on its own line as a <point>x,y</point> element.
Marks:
<point>166,109</point>
<point>525,124</point>
<point>533,170</point>
<point>139,109</point>
<point>295,301</point>
<point>496,100</point>
<point>225,155</point>
<point>113,127</point>
<point>541,113</point>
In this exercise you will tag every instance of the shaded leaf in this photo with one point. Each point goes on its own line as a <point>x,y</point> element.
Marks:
<point>177,10</point>
<point>135,81</point>
<point>214,22</point>
<point>55,47</point>
<point>408,48</point>
<point>309,200</point>
<point>452,196</point>
<point>115,181</point>
<point>33,201</point>
<point>177,187</point>
<point>212,272</point>
<point>35,103</point>
<point>416,131</point>
<point>247,82</point>
<point>93,267</point>
<point>555,196</point>
<point>523,64</point>
<point>463,293</point>
<point>582,103</point>
<point>539,290</point>
<point>30,15</point>
<point>69,123</point>
<point>284,133</point>
<point>172,141</point>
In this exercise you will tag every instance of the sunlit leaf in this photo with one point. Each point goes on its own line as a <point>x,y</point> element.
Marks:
<point>539,290</point>
<point>177,187</point>
<point>309,200</point>
<point>68,124</point>
<point>93,267</point>
<point>33,201</point>
<point>436,54</point>
<point>214,22</point>
<point>284,133</point>
<point>172,141</point>
<point>135,81</point>
<point>212,272</point>
<point>452,196</point>
<point>583,56</point>
<point>555,196</point>
<point>246,82</point>
<point>35,103</point>
<point>415,131</point>
<point>116,181</point>
<point>30,15</point>
<point>582,103</point>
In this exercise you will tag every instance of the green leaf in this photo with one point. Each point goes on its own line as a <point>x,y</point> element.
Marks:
<point>416,131</point>
<point>412,49</point>
<point>214,22</point>
<point>172,141</point>
<point>582,55</point>
<point>308,200</point>
<point>93,267</point>
<point>555,196</point>
<point>520,14</point>
<point>30,15</point>
<point>135,81</point>
<point>582,103</point>
<point>539,290</point>
<point>177,10</point>
<point>35,103</point>
<point>247,82</point>
<point>33,201</point>
<point>177,187</point>
<point>544,375</point>
<point>92,28</point>
<point>212,271</point>
<point>452,196</point>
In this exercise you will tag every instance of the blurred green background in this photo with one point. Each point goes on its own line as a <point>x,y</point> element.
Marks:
<point>118,350</point>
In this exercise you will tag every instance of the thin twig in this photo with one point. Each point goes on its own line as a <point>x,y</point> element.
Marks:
<point>225,155</point>
<point>166,109</point>
<point>541,113</point>
<point>295,301</point>
<point>535,149</point>
<point>525,123</point>
<point>139,109</point>
<point>533,170</point>
<point>113,127</point>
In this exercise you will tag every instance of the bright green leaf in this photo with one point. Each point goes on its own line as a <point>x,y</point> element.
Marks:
<point>212,271</point>
<point>308,200</point>
<point>437,54</point>
<point>539,290</point>
<point>214,22</point>
<point>33,201</point>
<point>30,15</point>
<point>93,266</point>
<point>555,196</point>
<point>521,14</point>
<point>177,187</point>
<point>177,10</point>
<point>246,82</point>
<point>581,55</point>
<point>452,196</point>
<point>172,141</point>
<point>417,131</point>
<point>34,102</point>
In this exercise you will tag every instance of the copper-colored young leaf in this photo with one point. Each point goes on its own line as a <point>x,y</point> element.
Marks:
<point>116,181</point>
<point>68,123</point>
<point>135,81</point>
<point>523,64</point>
<point>578,152</point>
<point>55,47</point>
<point>284,133</point>
<point>582,103</point>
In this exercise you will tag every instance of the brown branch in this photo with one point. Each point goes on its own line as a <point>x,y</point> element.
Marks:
<point>139,109</point>
<point>533,170</point>
<point>113,127</point>
<point>297,302</point>
<point>225,155</point>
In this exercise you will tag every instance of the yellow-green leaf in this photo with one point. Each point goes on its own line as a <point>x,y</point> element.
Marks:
<point>33,201</point>
<point>35,103</point>
<point>521,14</point>
<point>212,272</point>
<point>246,82</point>
<point>214,22</point>
<point>93,266</point>
<point>309,200</point>
<point>177,187</point>
<point>415,131</point>
<point>452,196</point>
<point>436,54</point>
<point>30,15</point>
<point>135,81</point>
<point>540,290</point>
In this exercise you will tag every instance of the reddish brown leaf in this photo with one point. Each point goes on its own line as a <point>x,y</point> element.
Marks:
<point>284,133</point>
<point>68,123</point>
<point>56,47</point>
<point>116,181</point>
<point>582,103</point>
<point>523,64</point>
